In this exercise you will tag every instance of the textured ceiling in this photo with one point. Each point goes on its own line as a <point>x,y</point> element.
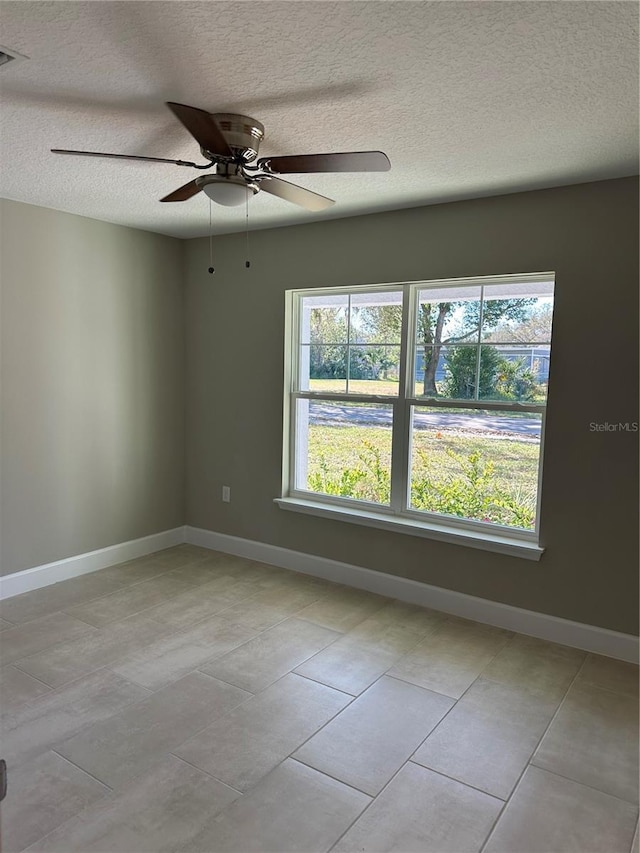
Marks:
<point>466,98</point>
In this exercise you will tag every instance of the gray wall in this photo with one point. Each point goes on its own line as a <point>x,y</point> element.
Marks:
<point>588,234</point>
<point>92,385</point>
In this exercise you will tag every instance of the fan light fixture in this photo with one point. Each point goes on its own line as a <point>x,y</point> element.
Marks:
<point>229,191</point>
<point>230,143</point>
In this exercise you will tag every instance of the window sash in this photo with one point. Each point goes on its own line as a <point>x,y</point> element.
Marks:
<point>400,404</point>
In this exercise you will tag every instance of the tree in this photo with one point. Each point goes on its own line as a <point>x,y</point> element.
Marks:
<point>432,317</point>
<point>535,327</point>
<point>328,337</point>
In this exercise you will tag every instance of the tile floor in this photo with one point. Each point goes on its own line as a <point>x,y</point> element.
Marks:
<point>193,701</point>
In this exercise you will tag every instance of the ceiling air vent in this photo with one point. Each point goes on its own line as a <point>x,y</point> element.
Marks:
<point>7,56</point>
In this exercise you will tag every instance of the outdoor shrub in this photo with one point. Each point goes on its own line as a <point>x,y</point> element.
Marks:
<point>461,366</point>
<point>471,494</point>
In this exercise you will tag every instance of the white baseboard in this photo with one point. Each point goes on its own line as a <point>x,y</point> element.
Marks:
<point>587,637</point>
<point>81,564</point>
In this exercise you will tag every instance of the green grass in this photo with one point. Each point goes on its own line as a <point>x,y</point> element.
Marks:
<point>436,454</point>
<point>381,388</point>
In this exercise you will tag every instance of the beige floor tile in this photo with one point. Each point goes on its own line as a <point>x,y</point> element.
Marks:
<point>136,571</point>
<point>292,810</point>
<point>200,572</point>
<point>32,637</point>
<point>398,619</point>
<point>4,624</point>
<point>163,809</point>
<point>539,666</point>
<point>18,689</point>
<point>67,661</point>
<point>271,606</point>
<point>178,555</point>
<point>170,658</point>
<point>251,740</point>
<point>594,740</point>
<point>261,575</point>
<point>132,741</point>
<point>358,658</point>
<point>549,814</point>
<point>199,603</point>
<point>58,596</point>
<point>130,600</point>
<point>58,715</point>
<point>351,665</point>
<point>42,794</point>
<point>263,660</point>
<point>423,812</point>
<point>487,739</point>
<point>229,563</point>
<point>610,674</point>
<point>371,739</point>
<point>342,609</point>
<point>449,660</point>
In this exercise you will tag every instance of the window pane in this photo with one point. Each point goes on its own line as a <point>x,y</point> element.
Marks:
<point>323,319</point>
<point>448,315</point>
<point>374,369</point>
<point>344,449</point>
<point>323,368</point>
<point>476,465</point>
<point>518,313</point>
<point>376,318</point>
<point>452,375</point>
<point>515,373</point>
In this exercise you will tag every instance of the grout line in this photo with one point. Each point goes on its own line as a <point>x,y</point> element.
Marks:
<point>528,764</point>
<point>16,665</point>
<point>206,773</point>
<point>592,685</point>
<point>584,785</point>
<point>322,683</point>
<point>222,681</point>
<point>454,779</point>
<point>428,689</point>
<point>329,776</point>
<point>78,767</point>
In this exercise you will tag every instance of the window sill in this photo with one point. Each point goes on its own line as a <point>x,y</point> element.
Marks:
<point>497,542</point>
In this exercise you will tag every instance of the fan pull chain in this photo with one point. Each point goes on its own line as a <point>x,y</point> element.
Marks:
<point>211,269</point>
<point>247,263</point>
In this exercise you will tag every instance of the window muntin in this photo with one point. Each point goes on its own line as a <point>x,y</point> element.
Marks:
<point>485,355</point>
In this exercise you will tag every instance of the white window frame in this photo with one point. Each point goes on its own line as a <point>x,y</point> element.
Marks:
<point>399,515</point>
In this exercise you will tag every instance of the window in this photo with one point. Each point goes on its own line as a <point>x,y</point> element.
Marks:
<point>421,404</point>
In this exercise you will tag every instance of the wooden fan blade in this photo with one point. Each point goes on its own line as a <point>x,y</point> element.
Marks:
<point>122,157</point>
<point>203,128</point>
<point>349,161</point>
<point>183,193</point>
<point>294,193</point>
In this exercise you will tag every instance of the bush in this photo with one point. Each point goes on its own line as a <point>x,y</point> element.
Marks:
<point>500,378</point>
<point>369,481</point>
<point>471,492</point>
<point>460,367</point>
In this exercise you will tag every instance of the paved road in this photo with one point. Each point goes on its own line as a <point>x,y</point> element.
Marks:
<point>525,427</point>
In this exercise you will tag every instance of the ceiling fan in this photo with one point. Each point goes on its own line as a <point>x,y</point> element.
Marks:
<point>230,143</point>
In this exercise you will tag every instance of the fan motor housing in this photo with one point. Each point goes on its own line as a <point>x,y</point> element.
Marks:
<point>242,133</point>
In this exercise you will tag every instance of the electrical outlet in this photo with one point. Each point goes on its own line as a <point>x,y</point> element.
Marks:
<point>226,494</point>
